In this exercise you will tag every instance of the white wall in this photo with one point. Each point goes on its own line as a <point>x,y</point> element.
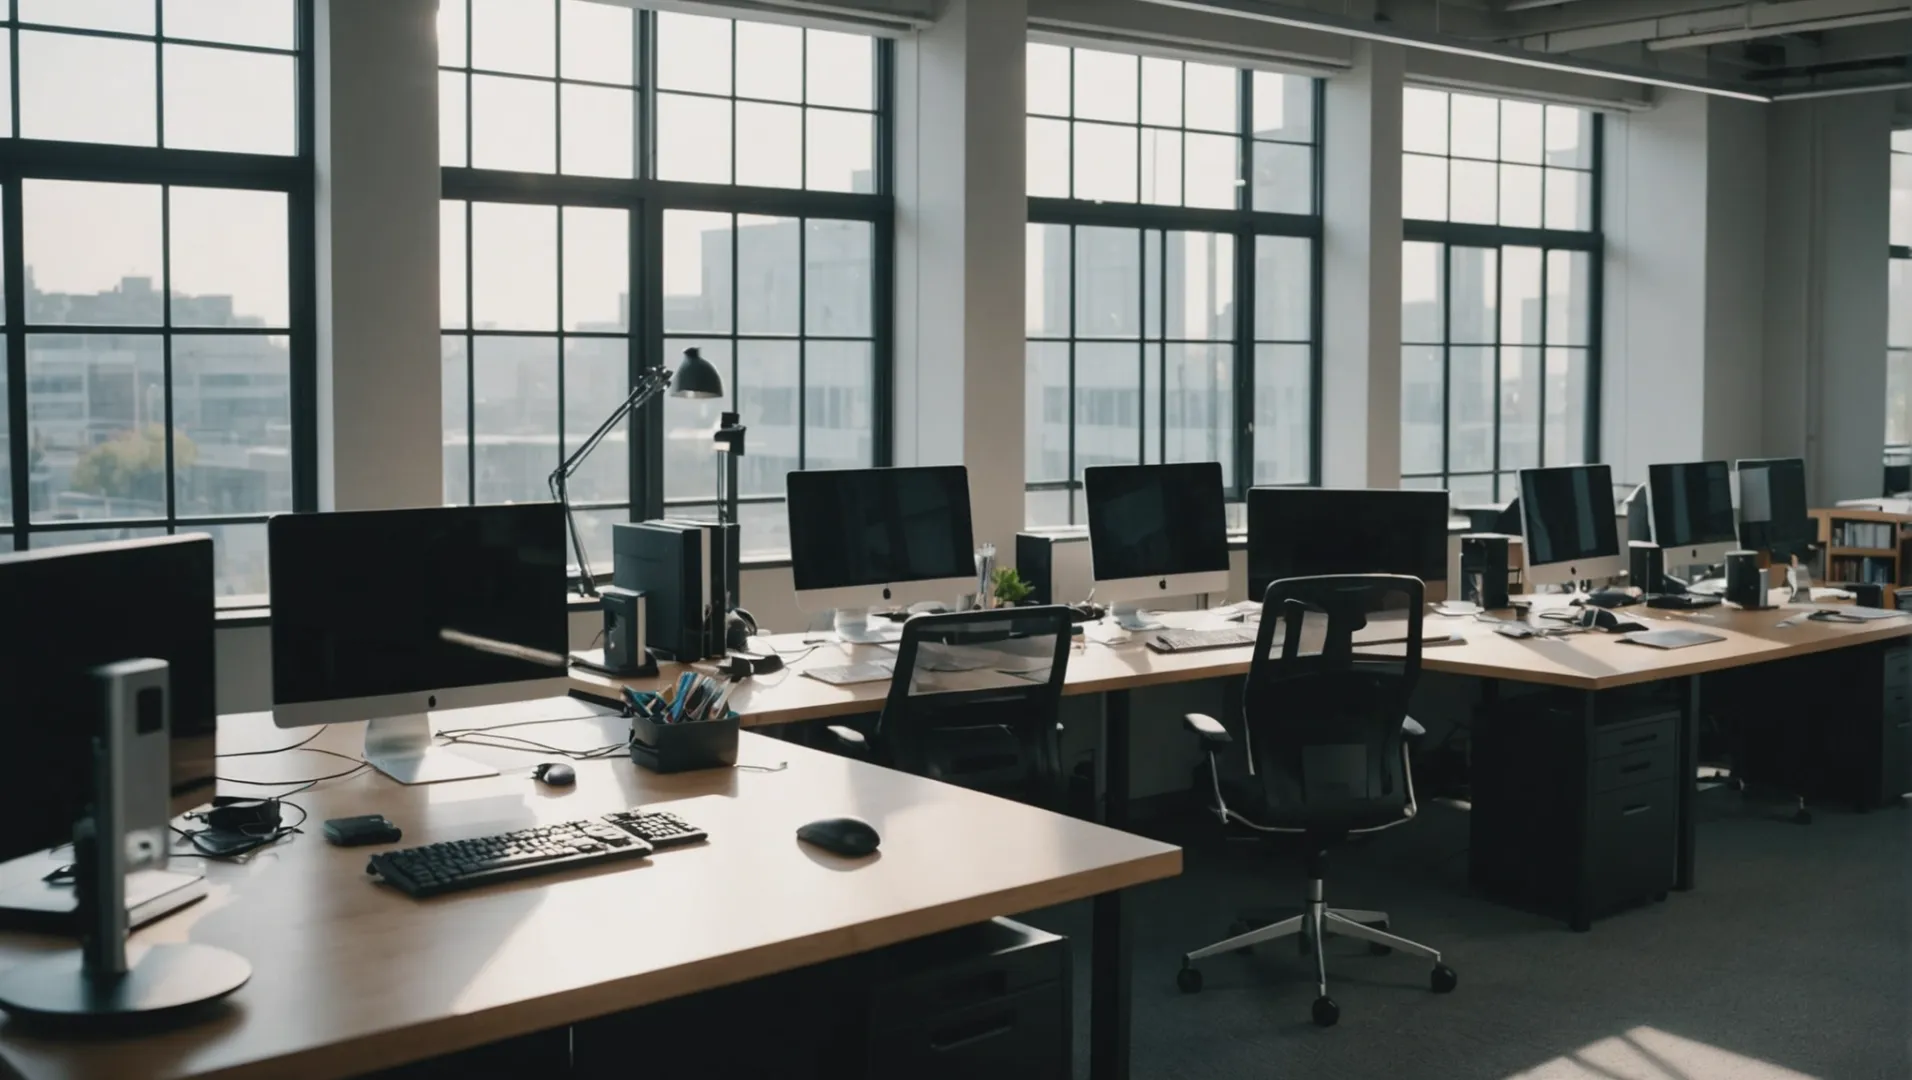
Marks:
<point>1825,298</point>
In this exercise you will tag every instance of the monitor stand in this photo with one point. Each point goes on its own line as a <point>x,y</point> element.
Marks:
<point>854,626</point>
<point>1130,617</point>
<point>401,747</point>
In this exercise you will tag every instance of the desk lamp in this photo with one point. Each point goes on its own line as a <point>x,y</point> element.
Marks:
<point>695,378</point>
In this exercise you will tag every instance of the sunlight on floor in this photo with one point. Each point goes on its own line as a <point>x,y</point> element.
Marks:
<point>1650,1054</point>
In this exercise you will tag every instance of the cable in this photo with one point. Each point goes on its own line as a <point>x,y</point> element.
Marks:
<point>778,767</point>
<point>530,746</point>
<point>793,655</point>
<point>279,749</point>
<point>237,854</point>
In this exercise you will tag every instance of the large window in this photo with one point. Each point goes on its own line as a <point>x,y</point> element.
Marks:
<point>1898,417</point>
<point>155,193</point>
<point>1500,285</point>
<point>622,185</point>
<point>1171,312</point>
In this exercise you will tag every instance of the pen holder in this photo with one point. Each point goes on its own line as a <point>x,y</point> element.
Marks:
<point>669,748</point>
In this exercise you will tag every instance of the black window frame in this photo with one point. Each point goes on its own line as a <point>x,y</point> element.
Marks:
<point>1898,253</point>
<point>1245,225</point>
<point>293,175</point>
<point>648,199</point>
<point>1451,235</point>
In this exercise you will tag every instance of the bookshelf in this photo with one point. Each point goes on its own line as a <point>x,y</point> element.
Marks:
<point>1867,545</point>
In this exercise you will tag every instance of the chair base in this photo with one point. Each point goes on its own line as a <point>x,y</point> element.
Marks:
<point>1311,927</point>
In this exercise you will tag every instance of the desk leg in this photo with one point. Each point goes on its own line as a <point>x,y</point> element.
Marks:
<point>1687,802</point>
<point>1109,954</point>
<point>1580,906</point>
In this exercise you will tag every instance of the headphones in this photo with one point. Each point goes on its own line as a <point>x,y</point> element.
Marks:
<point>250,817</point>
<point>739,627</point>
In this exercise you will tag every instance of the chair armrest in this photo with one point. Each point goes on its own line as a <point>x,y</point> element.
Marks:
<point>1209,728</point>
<point>850,739</point>
<point>1412,728</point>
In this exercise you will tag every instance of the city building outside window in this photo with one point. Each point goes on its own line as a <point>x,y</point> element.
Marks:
<point>1500,286</point>
<point>1172,274</point>
<point>156,238</point>
<point>623,184</point>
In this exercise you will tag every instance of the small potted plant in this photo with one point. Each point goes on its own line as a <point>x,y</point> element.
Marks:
<point>1008,587</point>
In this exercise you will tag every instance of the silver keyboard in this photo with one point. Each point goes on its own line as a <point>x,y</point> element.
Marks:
<point>1172,641</point>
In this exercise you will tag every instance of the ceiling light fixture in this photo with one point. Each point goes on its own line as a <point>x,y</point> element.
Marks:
<point>1307,20</point>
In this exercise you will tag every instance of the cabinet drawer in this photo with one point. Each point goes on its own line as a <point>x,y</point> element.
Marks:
<point>1633,842</point>
<point>1898,668</point>
<point>1633,767</point>
<point>1654,735</point>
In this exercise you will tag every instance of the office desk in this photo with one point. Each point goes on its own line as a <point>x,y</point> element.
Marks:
<point>1591,664</point>
<point>350,976</point>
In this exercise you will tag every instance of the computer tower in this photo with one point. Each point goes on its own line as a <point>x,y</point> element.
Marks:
<point>1646,567</point>
<point>666,563</point>
<point>1056,566</point>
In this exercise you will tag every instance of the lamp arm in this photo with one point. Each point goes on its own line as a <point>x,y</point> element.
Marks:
<point>649,384</point>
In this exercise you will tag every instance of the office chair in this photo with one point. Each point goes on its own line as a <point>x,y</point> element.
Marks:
<point>1323,732</point>
<point>973,701</point>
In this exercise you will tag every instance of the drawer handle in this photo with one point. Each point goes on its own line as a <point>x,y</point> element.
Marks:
<point>1637,809</point>
<point>1641,740</point>
<point>1636,766</point>
<point>970,1034</point>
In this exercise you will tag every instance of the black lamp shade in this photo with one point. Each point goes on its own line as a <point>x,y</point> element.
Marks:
<point>696,378</point>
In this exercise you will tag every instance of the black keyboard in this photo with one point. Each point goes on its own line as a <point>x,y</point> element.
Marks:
<point>455,865</point>
<point>657,828</point>
<point>1682,601</point>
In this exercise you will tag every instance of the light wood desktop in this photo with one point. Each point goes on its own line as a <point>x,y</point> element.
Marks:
<point>1592,664</point>
<point>351,976</point>
<point>1587,661</point>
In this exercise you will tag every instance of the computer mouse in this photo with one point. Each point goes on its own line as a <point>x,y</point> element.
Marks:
<point>555,774</point>
<point>1611,598</point>
<point>1603,619</point>
<point>846,836</point>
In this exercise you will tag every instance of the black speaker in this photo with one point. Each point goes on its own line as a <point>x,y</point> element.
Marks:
<point>1646,566</point>
<point>624,651</point>
<point>1484,570</point>
<point>1745,580</point>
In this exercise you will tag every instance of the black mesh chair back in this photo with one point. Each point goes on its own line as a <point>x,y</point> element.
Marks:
<point>974,697</point>
<point>1323,721</point>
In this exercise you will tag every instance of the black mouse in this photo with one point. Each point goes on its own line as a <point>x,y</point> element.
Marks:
<point>556,774</point>
<point>1605,619</point>
<point>845,836</point>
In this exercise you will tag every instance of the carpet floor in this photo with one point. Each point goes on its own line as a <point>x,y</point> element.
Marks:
<point>1792,958</point>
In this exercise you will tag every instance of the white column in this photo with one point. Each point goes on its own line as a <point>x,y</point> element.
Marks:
<point>1826,301</point>
<point>961,210</point>
<point>380,428</point>
<point>1361,275</point>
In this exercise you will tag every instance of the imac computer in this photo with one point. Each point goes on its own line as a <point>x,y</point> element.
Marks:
<point>1569,529</point>
<point>1692,512</point>
<point>867,538</point>
<point>1772,508</point>
<point>1155,531</point>
<point>1302,532</point>
<point>65,611</point>
<point>386,615</point>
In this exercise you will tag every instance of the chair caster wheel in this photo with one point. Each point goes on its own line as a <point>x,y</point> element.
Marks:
<point>1443,980</point>
<point>1326,1012</point>
<point>1189,980</point>
<point>1237,929</point>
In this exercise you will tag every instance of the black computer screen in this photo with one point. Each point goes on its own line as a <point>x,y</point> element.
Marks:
<point>1301,532</point>
<point>66,610</point>
<point>1692,504</point>
<point>858,527</point>
<point>404,601</point>
<point>1568,514</point>
<point>1772,507</point>
<point>1156,520</point>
